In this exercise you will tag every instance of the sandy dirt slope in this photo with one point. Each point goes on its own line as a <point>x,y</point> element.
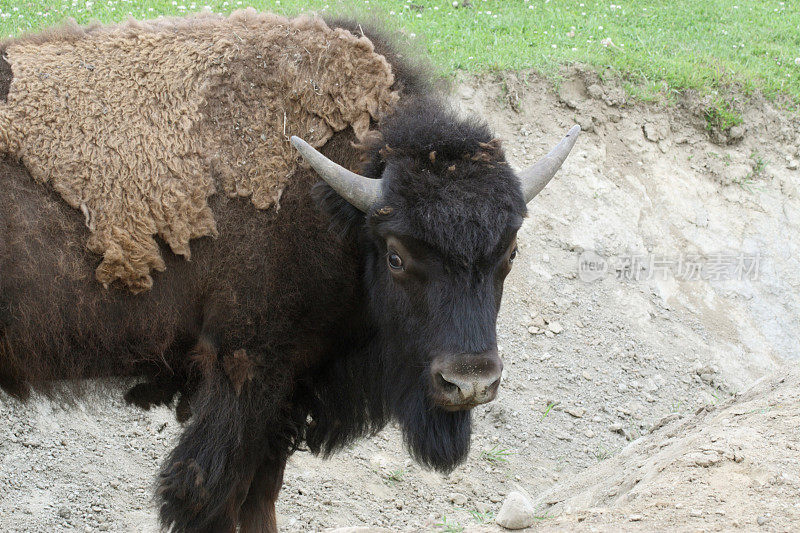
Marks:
<point>590,366</point>
<point>734,466</point>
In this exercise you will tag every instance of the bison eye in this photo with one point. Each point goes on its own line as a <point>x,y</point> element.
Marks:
<point>395,261</point>
<point>512,256</point>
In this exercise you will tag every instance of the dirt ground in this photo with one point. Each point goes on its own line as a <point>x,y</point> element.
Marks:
<point>654,397</point>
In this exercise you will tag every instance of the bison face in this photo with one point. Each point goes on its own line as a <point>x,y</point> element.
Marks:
<point>445,313</point>
<point>437,249</point>
<point>437,241</point>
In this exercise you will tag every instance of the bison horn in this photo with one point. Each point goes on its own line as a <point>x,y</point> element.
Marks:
<point>534,178</point>
<point>361,192</point>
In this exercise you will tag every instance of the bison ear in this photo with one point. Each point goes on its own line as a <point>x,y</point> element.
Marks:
<point>359,191</point>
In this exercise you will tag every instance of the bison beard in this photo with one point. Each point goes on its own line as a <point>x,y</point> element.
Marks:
<point>350,403</point>
<point>435,438</point>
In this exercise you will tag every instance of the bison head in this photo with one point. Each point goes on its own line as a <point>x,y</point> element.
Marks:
<point>438,237</point>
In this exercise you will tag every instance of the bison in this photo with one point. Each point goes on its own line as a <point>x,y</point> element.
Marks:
<point>366,298</point>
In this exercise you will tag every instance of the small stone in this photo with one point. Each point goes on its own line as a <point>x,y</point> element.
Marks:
<point>495,498</point>
<point>538,321</point>
<point>736,132</point>
<point>577,412</point>
<point>555,327</point>
<point>792,164</point>
<point>481,507</point>
<point>595,91</point>
<point>587,376</point>
<point>585,123</point>
<point>622,387</point>
<point>517,512</point>
<point>589,433</point>
<point>695,513</point>
<point>761,520</point>
<point>653,133</point>
<point>64,512</point>
<point>635,518</point>
<point>457,498</point>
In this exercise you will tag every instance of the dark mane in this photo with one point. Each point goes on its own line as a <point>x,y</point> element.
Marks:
<point>413,76</point>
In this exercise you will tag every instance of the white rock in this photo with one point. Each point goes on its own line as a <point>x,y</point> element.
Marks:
<point>577,412</point>
<point>458,499</point>
<point>555,327</point>
<point>517,512</point>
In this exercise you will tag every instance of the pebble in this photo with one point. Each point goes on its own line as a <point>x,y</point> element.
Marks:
<point>737,132</point>
<point>517,512</point>
<point>635,518</point>
<point>64,512</point>
<point>586,123</point>
<point>761,520</point>
<point>577,412</point>
<point>457,498</point>
<point>652,132</point>
<point>555,327</point>
<point>595,91</point>
<point>695,513</point>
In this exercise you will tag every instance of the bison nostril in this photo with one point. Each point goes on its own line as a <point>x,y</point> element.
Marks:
<point>445,385</point>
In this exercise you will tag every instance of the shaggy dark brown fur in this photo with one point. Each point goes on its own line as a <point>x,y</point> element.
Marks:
<point>5,78</point>
<point>137,125</point>
<point>281,331</point>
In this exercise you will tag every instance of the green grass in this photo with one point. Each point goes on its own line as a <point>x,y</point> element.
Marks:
<point>496,455</point>
<point>655,47</point>
<point>449,526</point>
<point>548,409</point>
<point>483,518</point>
<point>395,476</point>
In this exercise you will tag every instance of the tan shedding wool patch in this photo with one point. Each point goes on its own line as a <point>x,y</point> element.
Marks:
<point>137,124</point>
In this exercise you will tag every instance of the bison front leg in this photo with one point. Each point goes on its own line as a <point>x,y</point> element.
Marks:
<point>206,477</point>
<point>235,412</point>
<point>258,511</point>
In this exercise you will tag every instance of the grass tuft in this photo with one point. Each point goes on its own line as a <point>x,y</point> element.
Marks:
<point>449,526</point>
<point>496,455</point>
<point>721,115</point>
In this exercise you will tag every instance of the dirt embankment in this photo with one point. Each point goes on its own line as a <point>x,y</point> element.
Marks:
<point>594,359</point>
